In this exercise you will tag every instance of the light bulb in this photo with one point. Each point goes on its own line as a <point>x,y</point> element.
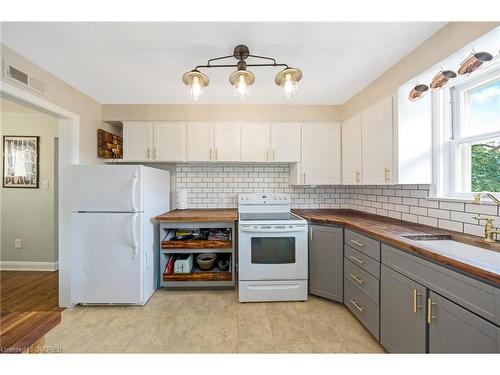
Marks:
<point>241,87</point>
<point>195,88</point>
<point>290,86</point>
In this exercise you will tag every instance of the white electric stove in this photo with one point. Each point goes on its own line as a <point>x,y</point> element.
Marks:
<point>272,250</point>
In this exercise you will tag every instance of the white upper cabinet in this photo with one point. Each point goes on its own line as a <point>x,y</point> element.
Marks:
<point>154,141</point>
<point>227,141</point>
<point>320,155</point>
<point>377,143</point>
<point>285,142</point>
<point>137,141</point>
<point>351,151</point>
<point>255,142</point>
<point>170,142</point>
<point>200,141</point>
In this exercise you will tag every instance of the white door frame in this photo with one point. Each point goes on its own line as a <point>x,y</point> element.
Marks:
<point>69,124</point>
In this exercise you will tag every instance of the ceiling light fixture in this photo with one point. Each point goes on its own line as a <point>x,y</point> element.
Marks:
<point>241,78</point>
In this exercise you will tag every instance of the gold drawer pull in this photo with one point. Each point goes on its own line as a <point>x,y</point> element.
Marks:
<point>356,259</point>
<point>358,243</point>
<point>415,303</point>
<point>356,305</point>
<point>357,279</point>
<point>429,311</point>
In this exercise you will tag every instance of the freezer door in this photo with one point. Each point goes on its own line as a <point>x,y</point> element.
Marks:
<point>107,188</point>
<point>107,258</point>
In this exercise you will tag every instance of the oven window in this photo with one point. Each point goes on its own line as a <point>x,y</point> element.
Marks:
<point>273,250</point>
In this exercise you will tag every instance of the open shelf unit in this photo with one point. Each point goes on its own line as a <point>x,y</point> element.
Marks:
<point>197,278</point>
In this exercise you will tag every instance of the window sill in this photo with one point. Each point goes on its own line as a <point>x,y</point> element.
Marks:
<point>461,200</point>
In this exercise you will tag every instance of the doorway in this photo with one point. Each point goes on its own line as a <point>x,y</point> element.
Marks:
<point>29,213</point>
<point>68,151</point>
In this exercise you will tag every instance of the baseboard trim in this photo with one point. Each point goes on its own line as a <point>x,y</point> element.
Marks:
<point>28,266</point>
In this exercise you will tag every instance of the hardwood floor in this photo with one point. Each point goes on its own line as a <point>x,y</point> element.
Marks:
<point>28,308</point>
<point>27,291</point>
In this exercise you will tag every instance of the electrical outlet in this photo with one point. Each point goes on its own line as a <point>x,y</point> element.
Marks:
<point>18,243</point>
<point>45,184</point>
<point>320,198</point>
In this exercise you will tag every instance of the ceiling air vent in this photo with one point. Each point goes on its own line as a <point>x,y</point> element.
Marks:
<point>17,76</point>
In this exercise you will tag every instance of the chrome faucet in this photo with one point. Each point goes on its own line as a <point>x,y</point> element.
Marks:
<point>489,228</point>
<point>477,197</point>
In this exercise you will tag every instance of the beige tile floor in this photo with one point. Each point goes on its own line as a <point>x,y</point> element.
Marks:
<point>211,322</point>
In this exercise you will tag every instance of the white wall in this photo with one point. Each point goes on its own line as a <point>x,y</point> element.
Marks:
<point>28,214</point>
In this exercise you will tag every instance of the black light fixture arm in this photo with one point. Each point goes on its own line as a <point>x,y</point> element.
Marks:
<point>241,53</point>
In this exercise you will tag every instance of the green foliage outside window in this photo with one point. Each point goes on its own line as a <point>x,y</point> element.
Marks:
<point>485,167</point>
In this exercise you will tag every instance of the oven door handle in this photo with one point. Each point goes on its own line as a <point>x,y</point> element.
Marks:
<point>268,230</point>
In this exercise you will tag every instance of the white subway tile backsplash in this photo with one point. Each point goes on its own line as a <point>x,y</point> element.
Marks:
<point>481,209</point>
<point>475,230</point>
<point>454,206</point>
<point>441,214</point>
<point>427,221</point>
<point>451,225</point>
<point>418,211</point>
<point>218,186</point>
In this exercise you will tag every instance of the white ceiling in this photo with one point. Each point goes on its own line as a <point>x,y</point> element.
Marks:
<point>142,63</point>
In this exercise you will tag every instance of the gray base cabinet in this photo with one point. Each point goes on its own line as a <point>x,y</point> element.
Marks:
<point>452,329</point>
<point>326,262</point>
<point>402,313</point>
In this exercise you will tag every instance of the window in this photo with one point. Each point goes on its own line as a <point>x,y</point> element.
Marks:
<point>474,149</point>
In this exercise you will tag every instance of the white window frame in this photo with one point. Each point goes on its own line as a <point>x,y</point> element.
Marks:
<point>446,133</point>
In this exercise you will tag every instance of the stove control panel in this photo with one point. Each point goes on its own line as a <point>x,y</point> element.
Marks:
<point>264,199</point>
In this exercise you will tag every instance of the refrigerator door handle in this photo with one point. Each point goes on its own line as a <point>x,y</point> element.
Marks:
<point>135,245</point>
<point>134,190</point>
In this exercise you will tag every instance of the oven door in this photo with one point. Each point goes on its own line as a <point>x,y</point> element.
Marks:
<point>272,252</point>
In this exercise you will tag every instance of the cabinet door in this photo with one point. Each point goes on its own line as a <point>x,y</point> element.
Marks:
<point>137,141</point>
<point>200,141</point>
<point>170,142</point>
<point>320,154</point>
<point>452,329</point>
<point>351,151</point>
<point>227,141</point>
<point>255,142</point>
<point>285,142</point>
<point>326,262</point>
<point>377,143</point>
<point>402,313</point>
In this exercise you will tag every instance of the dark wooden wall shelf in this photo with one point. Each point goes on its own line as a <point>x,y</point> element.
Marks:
<point>197,244</point>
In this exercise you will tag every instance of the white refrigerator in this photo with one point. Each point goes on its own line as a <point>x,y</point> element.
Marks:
<point>114,239</point>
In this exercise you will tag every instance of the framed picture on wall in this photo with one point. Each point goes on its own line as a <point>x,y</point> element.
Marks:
<point>20,161</point>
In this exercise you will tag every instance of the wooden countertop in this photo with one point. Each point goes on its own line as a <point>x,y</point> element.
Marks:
<point>391,232</point>
<point>20,330</point>
<point>200,215</point>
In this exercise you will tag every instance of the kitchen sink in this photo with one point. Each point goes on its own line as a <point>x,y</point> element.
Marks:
<point>474,255</point>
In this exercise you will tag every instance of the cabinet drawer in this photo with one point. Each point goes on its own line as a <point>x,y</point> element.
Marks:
<point>362,243</point>
<point>362,280</point>
<point>476,296</point>
<point>363,261</point>
<point>362,307</point>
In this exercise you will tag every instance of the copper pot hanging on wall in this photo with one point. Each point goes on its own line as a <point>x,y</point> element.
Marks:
<point>473,62</point>
<point>442,78</point>
<point>418,92</point>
